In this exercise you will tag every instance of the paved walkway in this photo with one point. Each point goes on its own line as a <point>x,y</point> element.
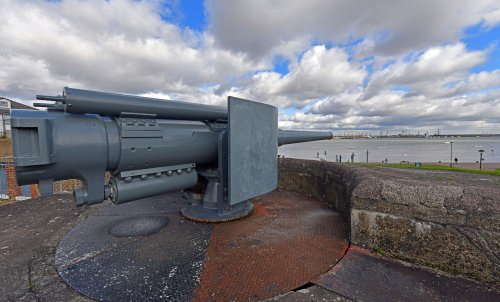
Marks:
<point>30,232</point>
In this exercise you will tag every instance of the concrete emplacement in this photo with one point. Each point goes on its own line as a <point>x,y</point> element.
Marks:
<point>289,246</point>
<point>145,250</point>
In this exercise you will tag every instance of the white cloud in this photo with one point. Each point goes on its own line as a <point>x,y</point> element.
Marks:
<point>406,68</point>
<point>395,109</point>
<point>340,104</point>
<point>492,18</point>
<point>319,73</point>
<point>111,45</point>
<point>396,26</point>
<point>427,72</point>
<point>22,75</point>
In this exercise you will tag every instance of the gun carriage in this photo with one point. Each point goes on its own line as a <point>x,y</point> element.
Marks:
<point>151,146</point>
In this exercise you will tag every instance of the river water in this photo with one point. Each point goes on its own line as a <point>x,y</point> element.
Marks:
<point>395,150</point>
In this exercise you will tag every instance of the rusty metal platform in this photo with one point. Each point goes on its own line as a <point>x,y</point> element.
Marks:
<point>287,241</point>
<point>363,276</point>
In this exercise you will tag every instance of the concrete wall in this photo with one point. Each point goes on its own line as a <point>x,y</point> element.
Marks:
<point>445,220</point>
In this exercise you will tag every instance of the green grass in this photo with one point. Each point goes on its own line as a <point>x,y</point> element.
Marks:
<point>435,167</point>
<point>378,251</point>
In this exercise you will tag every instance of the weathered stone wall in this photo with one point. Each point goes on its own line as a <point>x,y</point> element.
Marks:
<point>326,181</point>
<point>445,220</point>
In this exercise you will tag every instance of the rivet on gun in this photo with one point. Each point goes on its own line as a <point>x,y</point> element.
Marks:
<point>169,173</point>
<point>179,171</point>
<point>144,176</point>
<point>128,179</point>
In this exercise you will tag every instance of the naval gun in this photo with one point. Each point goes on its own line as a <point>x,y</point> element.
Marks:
<point>151,146</point>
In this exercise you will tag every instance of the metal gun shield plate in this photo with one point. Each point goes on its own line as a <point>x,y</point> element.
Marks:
<point>247,163</point>
<point>253,149</point>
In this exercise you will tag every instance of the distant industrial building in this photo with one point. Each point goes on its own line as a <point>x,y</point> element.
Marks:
<point>5,106</point>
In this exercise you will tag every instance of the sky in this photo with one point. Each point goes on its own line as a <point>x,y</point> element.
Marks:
<point>345,66</point>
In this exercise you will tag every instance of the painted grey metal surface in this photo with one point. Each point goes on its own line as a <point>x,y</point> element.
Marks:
<point>87,133</point>
<point>253,149</point>
<point>171,144</point>
<point>128,188</point>
<point>104,103</point>
<point>293,137</point>
<point>33,146</point>
<point>86,146</point>
<point>77,146</point>
<point>214,206</point>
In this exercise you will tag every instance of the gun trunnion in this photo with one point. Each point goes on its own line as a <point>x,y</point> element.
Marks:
<point>152,146</point>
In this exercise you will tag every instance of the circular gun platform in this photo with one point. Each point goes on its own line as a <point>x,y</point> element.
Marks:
<point>145,250</point>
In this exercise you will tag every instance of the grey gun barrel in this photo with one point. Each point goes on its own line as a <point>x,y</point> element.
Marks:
<point>292,137</point>
<point>104,103</point>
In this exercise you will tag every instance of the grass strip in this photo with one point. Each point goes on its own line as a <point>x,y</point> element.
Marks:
<point>434,167</point>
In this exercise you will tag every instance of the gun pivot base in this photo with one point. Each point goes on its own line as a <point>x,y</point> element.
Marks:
<point>198,212</point>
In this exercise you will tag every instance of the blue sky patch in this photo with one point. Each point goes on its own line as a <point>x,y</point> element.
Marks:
<point>193,14</point>
<point>479,38</point>
<point>281,65</point>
